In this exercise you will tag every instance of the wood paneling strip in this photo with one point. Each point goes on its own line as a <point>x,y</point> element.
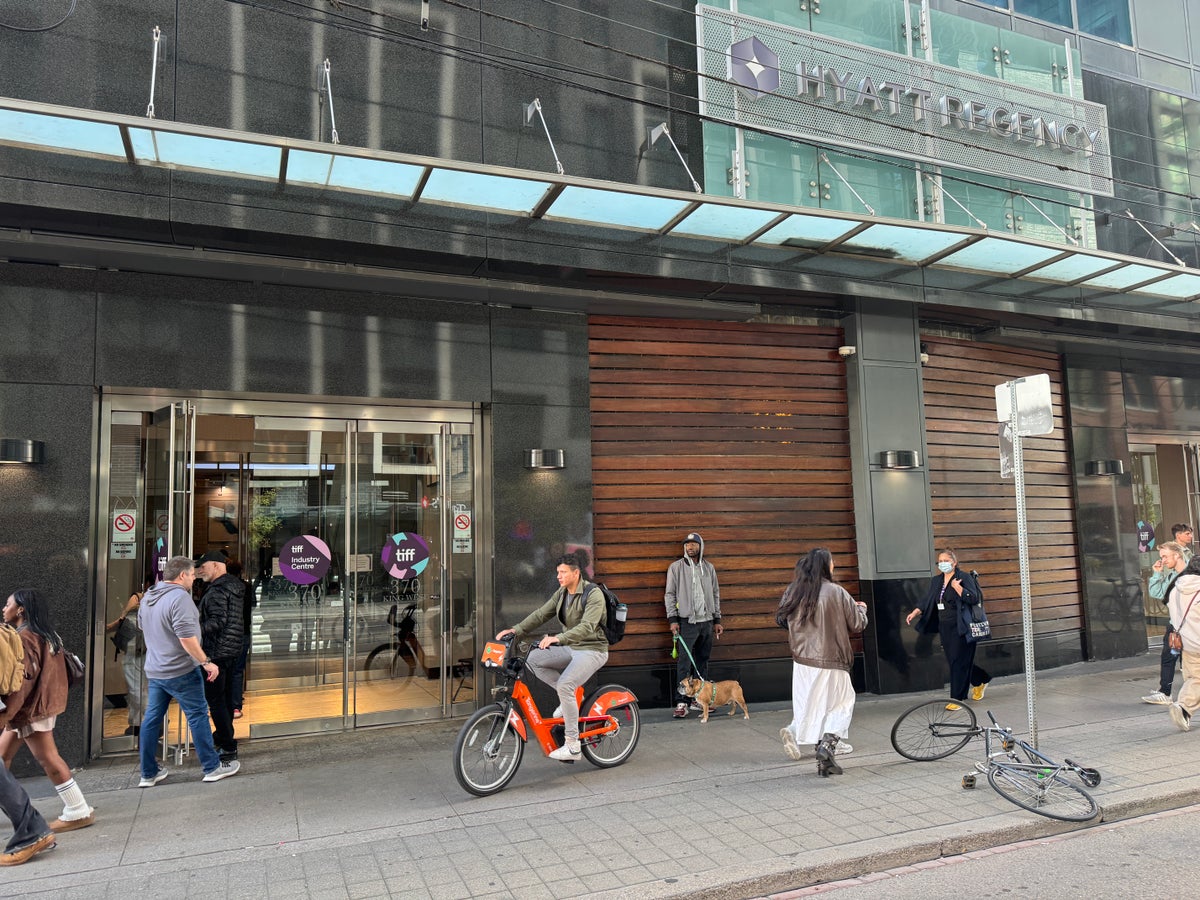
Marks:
<point>974,510</point>
<point>737,431</point>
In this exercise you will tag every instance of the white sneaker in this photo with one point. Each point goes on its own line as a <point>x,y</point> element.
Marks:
<point>1180,717</point>
<point>1158,698</point>
<point>155,779</point>
<point>790,747</point>
<point>842,749</point>
<point>568,752</point>
<point>557,714</point>
<point>224,770</point>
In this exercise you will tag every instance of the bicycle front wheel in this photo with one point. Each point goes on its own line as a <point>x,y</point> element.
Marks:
<point>612,749</point>
<point>487,752</point>
<point>1043,792</point>
<point>933,730</point>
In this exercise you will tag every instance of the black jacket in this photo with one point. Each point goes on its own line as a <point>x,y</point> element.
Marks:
<point>929,620</point>
<point>221,618</point>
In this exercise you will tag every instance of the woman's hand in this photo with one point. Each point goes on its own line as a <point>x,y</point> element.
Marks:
<point>912,616</point>
<point>957,585</point>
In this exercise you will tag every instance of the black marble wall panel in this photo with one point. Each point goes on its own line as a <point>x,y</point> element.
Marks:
<point>45,524</point>
<point>47,326</point>
<point>194,334</point>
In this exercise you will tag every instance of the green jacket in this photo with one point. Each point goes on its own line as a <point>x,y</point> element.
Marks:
<point>582,630</point>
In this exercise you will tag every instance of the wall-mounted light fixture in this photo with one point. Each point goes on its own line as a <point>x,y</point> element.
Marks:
<point>15,450</point>
<point>544,459</point>
<point>924,354</point>
<point>900,459</point>
<point>1103,468</point>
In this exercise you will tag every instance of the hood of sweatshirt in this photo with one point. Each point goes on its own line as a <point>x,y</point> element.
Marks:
<point>160,590</point>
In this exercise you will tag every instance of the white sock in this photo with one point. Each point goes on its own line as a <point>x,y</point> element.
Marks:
<point>74,805</point>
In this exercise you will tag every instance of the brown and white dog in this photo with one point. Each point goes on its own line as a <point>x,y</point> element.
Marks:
<point>711,694</point>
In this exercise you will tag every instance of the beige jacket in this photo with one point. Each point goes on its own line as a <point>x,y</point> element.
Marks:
<point>824,643</point>
<point>1182,591</point>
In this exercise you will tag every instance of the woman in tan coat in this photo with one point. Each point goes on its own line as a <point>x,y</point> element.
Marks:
<point>38,702</point>
<point>820,617</point>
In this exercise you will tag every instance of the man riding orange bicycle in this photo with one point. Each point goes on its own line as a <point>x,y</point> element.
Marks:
<point>566,660</point>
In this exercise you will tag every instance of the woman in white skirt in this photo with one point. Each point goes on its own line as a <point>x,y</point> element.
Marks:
<point>820,617</point>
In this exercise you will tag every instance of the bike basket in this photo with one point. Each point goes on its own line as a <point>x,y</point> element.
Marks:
<point>493,654</point>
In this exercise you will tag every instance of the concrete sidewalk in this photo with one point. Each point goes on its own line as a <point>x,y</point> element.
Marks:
<point>714,810</point>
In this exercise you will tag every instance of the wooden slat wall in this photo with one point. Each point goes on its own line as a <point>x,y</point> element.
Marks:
<point>974,510</point>
<point>737,431</point>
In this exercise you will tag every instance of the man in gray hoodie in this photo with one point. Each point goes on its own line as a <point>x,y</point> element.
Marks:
<point>693,599</point>
<point>176,666</point>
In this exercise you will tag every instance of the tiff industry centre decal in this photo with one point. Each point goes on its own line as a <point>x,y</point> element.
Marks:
<point>818,89</point>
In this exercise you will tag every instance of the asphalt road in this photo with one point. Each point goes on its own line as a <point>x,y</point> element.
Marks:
<point>1143,857</point>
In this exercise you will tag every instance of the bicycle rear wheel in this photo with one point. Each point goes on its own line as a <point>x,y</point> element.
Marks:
<point>614,748</point>
<point>487,752</point>
<point>932,731</point>
<point>1043,792</point>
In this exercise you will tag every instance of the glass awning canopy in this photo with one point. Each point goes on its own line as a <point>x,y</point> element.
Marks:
<point>412,180</point>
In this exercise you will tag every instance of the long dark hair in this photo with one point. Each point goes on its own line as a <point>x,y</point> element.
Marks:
<point>811,572</point>
<point>37,616</point>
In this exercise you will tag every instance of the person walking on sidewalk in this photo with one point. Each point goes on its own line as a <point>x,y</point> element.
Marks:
<point>566,660</point>
<point>177,666</point>
<point>820,616</point>
<point>1185,618</point>
<point>693,599</point>
<point>939,613</point>
<point>1169,566</point>
<point>221,617</point>
<point>33,709</point>
<point>31,835</point>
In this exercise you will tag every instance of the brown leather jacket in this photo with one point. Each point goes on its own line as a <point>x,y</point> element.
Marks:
<point>44,692</point>
<point>824,642</point>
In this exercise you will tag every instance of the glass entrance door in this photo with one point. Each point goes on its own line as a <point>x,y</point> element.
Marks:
<point>356,534</point>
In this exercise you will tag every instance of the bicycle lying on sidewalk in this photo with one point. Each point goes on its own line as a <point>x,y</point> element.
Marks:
<point>490,745</point>
<point>1018,772</point>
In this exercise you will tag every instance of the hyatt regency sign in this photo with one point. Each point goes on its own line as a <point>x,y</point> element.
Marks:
<point>821,90</point>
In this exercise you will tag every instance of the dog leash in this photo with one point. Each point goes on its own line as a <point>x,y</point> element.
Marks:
<point>680,642</point>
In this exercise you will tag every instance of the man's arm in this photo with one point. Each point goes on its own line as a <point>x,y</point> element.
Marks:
<point>669,597</point>
<point>196,652</point>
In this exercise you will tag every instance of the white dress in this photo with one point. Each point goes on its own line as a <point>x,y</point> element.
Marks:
<point>822,701</point>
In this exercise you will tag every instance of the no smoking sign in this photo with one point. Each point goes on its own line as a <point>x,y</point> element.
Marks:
<point>124,526</point>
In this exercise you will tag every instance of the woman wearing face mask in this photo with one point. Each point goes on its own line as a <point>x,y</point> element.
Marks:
<point>949,591</point>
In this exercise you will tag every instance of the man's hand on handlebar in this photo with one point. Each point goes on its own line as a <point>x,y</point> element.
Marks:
<point>501,635</point>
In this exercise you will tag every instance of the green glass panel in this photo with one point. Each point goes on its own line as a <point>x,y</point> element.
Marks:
<point>719,141</point>
<point>788,14</point>
<point>889,186</point>
<point>872,24</point>
<point>989,200</point>
<point>781,171</point>
<point>963,44</point>
<point>1033,63</point>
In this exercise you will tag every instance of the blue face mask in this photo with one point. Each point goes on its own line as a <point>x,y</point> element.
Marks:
<point>946,567</point>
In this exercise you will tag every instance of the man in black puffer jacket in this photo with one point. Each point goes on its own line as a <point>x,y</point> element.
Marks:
<point>221,637</point>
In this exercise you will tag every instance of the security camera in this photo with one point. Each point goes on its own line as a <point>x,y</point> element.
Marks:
<point>924,358</point>
<point>847,350</point>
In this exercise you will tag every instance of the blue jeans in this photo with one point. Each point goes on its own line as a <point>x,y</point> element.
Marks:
<point>188,691</point>
<point>28,824</point>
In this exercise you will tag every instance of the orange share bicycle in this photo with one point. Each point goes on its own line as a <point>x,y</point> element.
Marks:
<point>490,745</point>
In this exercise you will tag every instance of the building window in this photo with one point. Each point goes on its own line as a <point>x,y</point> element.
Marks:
<point>1056,11</point>
<point>1106,19</point>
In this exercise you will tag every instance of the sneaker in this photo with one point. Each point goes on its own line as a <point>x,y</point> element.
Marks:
<point>557,714</point>
<point>237,713</point>
<point>223,771</point>
<point>568,752</point>
<point>695,707</point>
<point>227,756</point>
<point>790,747</point>
<point>1180,717</point>
<point>681,711</point>
<point>977,692</point>
<point>1158,698</point>
<point>154,779</point>
<point>61,825</point>
<point>842,749</point>
<point>952,707</point>
<point>29,851</point>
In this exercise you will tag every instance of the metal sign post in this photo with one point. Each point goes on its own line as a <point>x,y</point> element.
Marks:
<point>1026,405</point>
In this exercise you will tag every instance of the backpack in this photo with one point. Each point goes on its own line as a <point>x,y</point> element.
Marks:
<point>12,660</point>
<point>615,612</point>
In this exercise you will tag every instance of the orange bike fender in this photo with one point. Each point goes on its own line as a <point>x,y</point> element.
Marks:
<point>608,700</point>
<point>518,724</point>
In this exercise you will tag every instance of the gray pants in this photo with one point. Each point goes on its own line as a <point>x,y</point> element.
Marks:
<point>28,824</point>
<point>565,669</point>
